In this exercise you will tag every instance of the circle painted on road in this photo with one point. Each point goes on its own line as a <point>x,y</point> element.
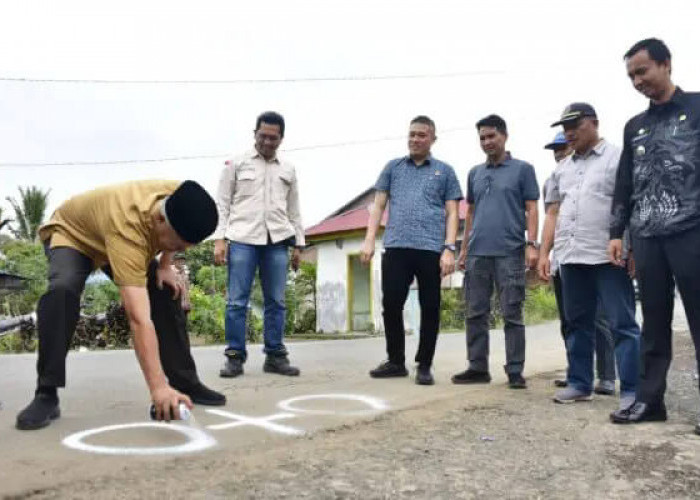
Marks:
<point>197,440</point>
<point>373,404</point>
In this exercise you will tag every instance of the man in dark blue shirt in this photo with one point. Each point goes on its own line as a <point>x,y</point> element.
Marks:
<point>658,193</point>
<point>502,199</point>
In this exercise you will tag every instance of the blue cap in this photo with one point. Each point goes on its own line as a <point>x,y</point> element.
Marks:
<point>558,142</point>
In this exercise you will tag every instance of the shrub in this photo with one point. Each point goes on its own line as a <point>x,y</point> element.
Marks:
<point>25,259</point>
<point>98,297</point>
<point>206,319</point>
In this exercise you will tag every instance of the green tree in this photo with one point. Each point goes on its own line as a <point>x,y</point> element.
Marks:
<point>29,212</point>
<point>27,260</point>
<point>98,297</point>
<point>3,222</point>
<point>198,257</point>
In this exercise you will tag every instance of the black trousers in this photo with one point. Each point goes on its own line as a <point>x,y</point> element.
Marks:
<point>661,262</point>
<point>399,267</point>
<point>59,309</point>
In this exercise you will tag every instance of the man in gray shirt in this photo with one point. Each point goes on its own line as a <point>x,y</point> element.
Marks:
<point>577,224</point>
<point>502,199</point>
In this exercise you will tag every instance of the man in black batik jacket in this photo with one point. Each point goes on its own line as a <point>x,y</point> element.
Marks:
<point>658,193</point>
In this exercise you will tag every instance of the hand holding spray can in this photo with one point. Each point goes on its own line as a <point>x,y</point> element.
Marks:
<point>184,412</point>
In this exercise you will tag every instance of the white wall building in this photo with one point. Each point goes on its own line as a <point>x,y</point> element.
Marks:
<point>349,294</point>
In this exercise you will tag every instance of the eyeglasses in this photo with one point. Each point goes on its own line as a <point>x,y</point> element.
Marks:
<point>267,137</point>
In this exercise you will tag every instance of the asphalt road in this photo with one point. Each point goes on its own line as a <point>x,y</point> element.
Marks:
<point>106,389</point>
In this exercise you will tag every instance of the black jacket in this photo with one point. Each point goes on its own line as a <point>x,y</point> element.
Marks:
<point>657,191</point>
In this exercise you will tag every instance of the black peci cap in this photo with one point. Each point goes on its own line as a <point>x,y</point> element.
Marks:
<point>191,212</point>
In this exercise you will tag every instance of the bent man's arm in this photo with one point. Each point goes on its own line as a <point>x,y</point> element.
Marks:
<point>138,311</point>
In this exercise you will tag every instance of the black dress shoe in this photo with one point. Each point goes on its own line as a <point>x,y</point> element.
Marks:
<point>423,376</point>
<point>39,413</point>
<point>639,412</point>
<point>200,394</point>
<point>471,377</point>
<point>389,369</point>
<point>560,382</point>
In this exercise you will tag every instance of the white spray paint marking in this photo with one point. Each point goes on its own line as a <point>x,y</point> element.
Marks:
<point>264,422</point>
<point>198,440</point>
<point>373,404</point>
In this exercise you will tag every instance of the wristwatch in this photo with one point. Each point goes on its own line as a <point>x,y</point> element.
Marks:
<point>533,244</point>
<point>451,246</point>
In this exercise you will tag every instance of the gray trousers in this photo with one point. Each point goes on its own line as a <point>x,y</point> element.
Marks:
<point>508,274</point>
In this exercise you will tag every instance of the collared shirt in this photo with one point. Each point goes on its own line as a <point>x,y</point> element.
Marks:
<point>658,183</point>
<point>417,197</point>
<point>112,225</point>
<point>498,193</point>
<point>583,186</point>
<point>256,198</point>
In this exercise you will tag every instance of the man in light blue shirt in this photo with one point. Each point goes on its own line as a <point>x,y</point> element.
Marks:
<point>423,195</point>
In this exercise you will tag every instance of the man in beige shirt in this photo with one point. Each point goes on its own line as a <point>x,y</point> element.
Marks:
<point>120,229</point>
<point>258,202</point>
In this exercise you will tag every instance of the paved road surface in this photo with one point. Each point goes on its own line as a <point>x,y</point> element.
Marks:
<point>106,388</point>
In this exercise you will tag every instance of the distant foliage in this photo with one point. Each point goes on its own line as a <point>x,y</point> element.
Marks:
<point>206,318</point>
<point>198,257</point>
<point>98,297</point>
<point>25,259</point>
<point>211,279</point>
<point>29,212</point>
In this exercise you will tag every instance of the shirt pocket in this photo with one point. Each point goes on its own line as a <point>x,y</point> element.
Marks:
<point>282,185</point>
<point>245,182</point>
<point>605,180</point>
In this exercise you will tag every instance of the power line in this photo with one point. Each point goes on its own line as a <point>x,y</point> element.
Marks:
<point>213,156</point>
<point>248,81</point>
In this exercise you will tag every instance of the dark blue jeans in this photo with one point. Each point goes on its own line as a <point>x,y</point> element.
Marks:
<point>243,261</point>
<point>585,287</point>
<point>508,274</point>
<point>604,344</point>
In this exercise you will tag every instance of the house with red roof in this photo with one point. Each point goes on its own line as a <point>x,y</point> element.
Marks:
<point>348,293</point>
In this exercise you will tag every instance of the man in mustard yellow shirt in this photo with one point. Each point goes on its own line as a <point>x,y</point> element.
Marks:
<point>120,229</point>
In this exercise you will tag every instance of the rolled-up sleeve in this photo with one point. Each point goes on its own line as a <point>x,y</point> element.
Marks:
<point>227,183</point>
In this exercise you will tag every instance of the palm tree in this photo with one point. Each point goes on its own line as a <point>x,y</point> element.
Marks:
<point>29,212</point>
<point>3,222</point>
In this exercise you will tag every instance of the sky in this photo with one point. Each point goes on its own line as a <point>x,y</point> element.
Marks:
<point>325,65</point>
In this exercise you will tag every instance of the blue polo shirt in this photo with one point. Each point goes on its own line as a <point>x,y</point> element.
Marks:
<point>498,193</point>
<point>417,196</point>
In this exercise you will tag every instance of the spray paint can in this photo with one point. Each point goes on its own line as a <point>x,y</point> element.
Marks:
<point>184,412</point>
